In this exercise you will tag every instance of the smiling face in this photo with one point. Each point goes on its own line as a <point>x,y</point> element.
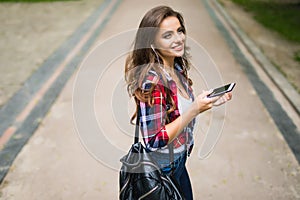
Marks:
<point>170,39</point>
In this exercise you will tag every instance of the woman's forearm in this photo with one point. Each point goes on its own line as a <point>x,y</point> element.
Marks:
<point>175,128</point>
<point>201,104</point>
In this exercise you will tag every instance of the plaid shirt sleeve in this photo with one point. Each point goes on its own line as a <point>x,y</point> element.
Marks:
<point>153,118</point>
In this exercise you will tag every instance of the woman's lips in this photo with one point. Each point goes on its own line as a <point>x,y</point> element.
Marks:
<point>178,47</point>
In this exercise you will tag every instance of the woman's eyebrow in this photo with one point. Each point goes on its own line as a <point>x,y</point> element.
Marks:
<point>165,31</point>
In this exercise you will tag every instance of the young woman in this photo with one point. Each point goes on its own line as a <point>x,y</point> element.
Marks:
<point>157,78</point>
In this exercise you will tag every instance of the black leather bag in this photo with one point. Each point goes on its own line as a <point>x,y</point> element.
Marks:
<point>140,178</point>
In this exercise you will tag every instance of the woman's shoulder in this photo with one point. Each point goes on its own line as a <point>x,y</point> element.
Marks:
<point>152,75</point>
<point>151,78</point>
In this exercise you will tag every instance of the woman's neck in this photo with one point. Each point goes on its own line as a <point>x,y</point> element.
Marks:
<point>169,65</point>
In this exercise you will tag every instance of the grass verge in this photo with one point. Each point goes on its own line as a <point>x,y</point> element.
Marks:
<point>283,18</point>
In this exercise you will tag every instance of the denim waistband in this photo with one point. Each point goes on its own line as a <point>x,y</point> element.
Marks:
<point>178,150</point>
<point>163,160</point>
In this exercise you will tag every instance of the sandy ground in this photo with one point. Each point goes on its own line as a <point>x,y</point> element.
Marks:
<point>278,50</point>
<point>29,33</point>
<point>49,24</point>
<point>252,161</point>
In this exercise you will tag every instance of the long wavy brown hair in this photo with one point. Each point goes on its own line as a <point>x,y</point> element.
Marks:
<point>144,57</point>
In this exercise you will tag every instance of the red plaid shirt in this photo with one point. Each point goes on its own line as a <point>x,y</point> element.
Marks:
<point>153,117</point>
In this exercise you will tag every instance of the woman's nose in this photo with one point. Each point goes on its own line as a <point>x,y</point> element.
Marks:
<point>179,37</point>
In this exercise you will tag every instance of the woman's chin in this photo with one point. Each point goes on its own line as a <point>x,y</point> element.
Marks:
<point>179,54</point>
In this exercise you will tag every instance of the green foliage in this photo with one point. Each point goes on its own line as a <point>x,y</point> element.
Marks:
<point>283,18</point>
<point>297,56</point>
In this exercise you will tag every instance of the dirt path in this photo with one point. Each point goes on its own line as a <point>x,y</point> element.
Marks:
<point>30,32</point>
<point>278,50</point>
<point>250,161</point>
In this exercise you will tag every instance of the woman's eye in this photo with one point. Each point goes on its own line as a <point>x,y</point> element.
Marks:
<point>180,30</point>
<point>167,36</point>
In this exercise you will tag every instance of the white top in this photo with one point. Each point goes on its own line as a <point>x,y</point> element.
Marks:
<point>183,103</point>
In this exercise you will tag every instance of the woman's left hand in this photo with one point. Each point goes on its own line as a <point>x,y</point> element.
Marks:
<point>223,99</point>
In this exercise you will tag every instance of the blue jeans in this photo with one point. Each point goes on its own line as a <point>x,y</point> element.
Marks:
<point>180,172</point>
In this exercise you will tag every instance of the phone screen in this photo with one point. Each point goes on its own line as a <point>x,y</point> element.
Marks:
<point>222,90</point>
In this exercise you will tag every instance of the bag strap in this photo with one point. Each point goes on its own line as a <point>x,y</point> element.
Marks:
<point>137,124</point>
<point>136,139</point>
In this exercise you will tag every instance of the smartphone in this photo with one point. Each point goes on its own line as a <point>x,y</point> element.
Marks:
<point>222,90</point>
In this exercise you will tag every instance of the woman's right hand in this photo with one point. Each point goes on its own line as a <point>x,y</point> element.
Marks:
<point>203,102</point>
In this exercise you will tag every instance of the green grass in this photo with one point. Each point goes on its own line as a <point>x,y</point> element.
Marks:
<point>297,56</point>
<point>283,18</point>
